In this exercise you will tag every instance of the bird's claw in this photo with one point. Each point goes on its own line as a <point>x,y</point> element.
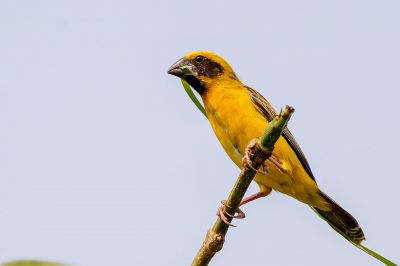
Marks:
<point>247,162</point>
<point>239,214</point>
<point>247,153</point>
<point>264,169</point>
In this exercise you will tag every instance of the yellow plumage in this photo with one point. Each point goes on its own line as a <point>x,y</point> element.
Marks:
<point>236,122</point>
<point>238,114</point>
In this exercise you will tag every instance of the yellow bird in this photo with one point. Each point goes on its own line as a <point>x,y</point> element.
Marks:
<point>238,114</point>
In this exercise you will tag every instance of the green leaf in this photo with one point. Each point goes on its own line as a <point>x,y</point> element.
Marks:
<point>363,248</point>
<point>193,97</point>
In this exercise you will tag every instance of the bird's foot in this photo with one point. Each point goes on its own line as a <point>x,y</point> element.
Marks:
<point>248,153</point>
<point>246,158</point>
<point>239,214</point>
<point>278,164</point>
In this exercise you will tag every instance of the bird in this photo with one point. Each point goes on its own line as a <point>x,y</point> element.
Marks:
<point>239,114</point>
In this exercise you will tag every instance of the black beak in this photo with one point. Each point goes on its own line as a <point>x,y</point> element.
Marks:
<point>181,68</point>
<point>184,69</point>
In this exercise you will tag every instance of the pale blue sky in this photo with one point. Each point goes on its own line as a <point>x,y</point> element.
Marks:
<point>105,161</point>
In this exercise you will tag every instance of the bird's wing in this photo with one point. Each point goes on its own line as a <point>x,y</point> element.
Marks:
<point>266,109</point>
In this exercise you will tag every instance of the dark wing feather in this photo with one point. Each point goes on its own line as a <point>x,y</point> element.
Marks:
<point>266,109</point>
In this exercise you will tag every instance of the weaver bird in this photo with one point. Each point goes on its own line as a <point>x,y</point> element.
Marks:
<point>238,114</point>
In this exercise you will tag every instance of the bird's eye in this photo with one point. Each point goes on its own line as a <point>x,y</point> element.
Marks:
<point>199,59</point>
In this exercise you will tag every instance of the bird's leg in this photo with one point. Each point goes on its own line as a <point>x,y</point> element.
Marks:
<point>239,214</point>
<point>277,163</point>
<point>258,195</point>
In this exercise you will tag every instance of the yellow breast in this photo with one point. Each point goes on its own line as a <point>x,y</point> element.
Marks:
<point>236,122</point>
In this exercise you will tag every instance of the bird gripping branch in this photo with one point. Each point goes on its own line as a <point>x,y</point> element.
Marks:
<point>259,151</point>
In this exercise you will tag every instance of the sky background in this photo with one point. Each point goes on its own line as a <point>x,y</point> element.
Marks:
<point>104,160</point>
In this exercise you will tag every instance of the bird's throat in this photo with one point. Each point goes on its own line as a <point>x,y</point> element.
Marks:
<point>195,84</point>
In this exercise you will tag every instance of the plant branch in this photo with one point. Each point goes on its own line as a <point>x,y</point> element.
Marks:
<point>259,152</point>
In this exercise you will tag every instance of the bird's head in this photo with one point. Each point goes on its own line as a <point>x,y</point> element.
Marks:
<point>202,70</point>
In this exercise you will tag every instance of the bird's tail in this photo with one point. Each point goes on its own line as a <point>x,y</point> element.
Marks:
<point>341,221</point>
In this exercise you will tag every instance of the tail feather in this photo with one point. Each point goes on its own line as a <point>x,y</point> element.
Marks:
<point>341,220</point>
